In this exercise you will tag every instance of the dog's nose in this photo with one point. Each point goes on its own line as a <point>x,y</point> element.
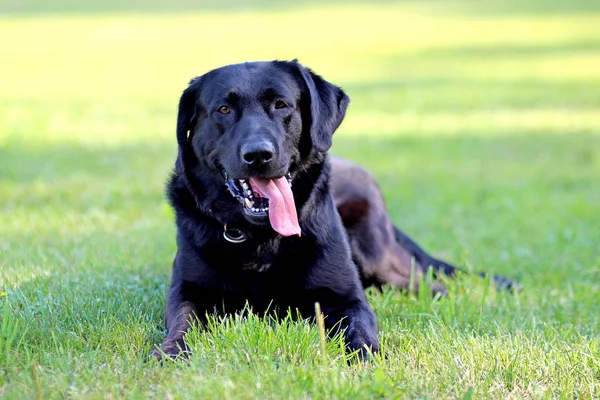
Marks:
<point>257,153</point>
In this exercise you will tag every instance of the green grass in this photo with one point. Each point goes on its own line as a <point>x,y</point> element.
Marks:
<point>480,119</point>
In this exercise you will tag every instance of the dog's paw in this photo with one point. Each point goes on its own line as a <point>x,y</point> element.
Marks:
<point>363,347</point>
<point>170,350</point>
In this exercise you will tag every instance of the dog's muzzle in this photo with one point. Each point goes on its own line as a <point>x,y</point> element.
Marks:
<point>254,205</point>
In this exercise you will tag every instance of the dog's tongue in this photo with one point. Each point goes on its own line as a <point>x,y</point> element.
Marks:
<point>282,209</point>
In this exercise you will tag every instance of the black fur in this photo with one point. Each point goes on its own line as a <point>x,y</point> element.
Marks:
<point>335,256</point>
<point>268,271</point>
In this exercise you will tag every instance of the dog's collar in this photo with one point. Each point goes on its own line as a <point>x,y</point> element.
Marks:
<point>233,235</point>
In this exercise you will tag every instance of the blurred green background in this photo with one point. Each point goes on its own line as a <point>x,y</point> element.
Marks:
<point>481,120</point>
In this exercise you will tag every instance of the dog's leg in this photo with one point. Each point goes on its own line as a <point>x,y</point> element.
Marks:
<point>359,325</point>
<point>180,316</point>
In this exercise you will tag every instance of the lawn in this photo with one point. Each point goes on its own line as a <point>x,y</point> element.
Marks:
<point>481,121</point>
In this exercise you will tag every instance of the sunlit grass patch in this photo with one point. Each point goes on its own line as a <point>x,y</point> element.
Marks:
<point>152,55</point>
<point>479,122</point>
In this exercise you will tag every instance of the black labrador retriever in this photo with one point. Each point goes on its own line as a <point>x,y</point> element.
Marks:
<point>266,217</point>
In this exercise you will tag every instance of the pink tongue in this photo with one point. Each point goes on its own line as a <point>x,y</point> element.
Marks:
<point>282,210</point>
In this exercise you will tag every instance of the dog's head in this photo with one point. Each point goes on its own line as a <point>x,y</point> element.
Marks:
<point>254,126</point>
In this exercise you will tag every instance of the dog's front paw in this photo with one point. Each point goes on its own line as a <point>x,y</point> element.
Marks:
<point>170,350</point>
<point>364,345</point>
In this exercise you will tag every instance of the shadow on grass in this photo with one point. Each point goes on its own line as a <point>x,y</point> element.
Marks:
<point>136,6</point>
<point>535,155</point>
<point>495,8</point>
<point>516,195</point>
<point>511,8</point>
<point>21,162</point>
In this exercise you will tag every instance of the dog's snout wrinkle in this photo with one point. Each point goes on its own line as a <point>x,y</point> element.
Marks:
<point>257,152</point>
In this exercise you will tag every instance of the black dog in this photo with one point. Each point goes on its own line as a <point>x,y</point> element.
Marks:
<point>266,217</point>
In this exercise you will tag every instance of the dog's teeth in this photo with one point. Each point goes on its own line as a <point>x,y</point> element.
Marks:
<point>249,203</point>
<point>249,192</point>
<point>245,185</point>
<point>254,209</point>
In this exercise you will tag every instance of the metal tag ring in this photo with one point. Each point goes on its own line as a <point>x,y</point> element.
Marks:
<point>234,235</point>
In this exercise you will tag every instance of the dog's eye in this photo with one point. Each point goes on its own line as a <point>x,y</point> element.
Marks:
<point>224,110</point>
<point>280,104</point>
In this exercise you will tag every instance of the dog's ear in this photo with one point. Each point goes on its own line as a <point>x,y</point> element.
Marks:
<point>328,104</point>
<point>185,123</point>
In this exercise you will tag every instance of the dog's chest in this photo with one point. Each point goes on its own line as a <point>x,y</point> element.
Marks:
<point>260,258</point>
<point>256,267</point>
